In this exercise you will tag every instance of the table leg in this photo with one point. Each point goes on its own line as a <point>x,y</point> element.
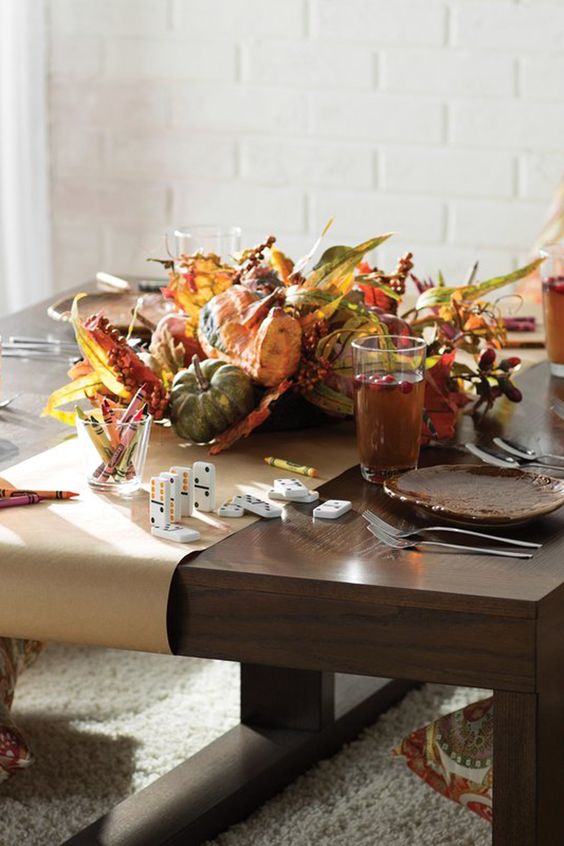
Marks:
<point>289,720</point>
<point>528,769</point>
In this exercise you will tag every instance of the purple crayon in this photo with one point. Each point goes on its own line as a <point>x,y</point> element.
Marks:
<point>25,499</point>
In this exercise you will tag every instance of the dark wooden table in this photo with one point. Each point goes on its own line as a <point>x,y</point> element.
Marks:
<point>320,618</point>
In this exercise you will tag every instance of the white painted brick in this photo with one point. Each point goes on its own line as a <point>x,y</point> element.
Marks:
<point>372,213</point>
<point>306,64</point>
<point>75,151</point>
<point>463,73</point>
<point>109,104</point>
<point>233,108</point>
<point>74,55</point>
<point>272,209</point>
<point>542,78</point>
<point>509,26</point>
<point>161,58</point>
<point>380,22</point>
<point>454,262</point>
<point>235,19</point>
<point>129,17</point>
<point>77,253</point>
<point>448,172</point>
<point>512,225</point>
<point>541,175</point>
<point>114,200</point>
<point>170,155</point>
<point>377,117</point>
<point>306,163</point>
<point>518,124</point>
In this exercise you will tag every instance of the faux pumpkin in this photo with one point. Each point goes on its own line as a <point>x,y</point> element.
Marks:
<point>207,398</point>
<point>252,332</point>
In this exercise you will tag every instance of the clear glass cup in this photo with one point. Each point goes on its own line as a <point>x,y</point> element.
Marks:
<point>389,386</point>
<point>552,275</point>
<point>113,453</point>
<point>224,241</point>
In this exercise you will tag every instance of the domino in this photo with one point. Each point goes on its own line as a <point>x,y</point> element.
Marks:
<point>229,509</point>
<point>184,474</point>
<point>293,486</point>
<point>257,506</point>
<point>311,496</point>
<point>202,485</point>
<point>160,503</point>
<point>179,534</point>
<point>175,493</point>
<point>332,509</point>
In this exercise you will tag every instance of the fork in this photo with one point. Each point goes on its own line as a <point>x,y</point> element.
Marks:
<point>558,407</point>
<point>5,403</point>
<point>394,532</point>
<point>402,543</point>
<point>490,456</point>
<point>524,452</point>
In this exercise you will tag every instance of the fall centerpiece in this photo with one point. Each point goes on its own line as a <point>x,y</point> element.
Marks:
<point>250,336</point>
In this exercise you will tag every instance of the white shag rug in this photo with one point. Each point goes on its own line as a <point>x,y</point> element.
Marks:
<point>105,723</point>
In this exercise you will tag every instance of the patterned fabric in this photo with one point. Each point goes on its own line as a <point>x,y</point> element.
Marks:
<point>15,656</point>
<point>454,756</point>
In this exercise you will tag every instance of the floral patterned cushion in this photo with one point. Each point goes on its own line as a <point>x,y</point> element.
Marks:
<point>454,756</point>
<point>15,655</point>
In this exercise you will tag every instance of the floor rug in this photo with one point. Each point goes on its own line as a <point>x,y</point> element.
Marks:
<point>105,723</point>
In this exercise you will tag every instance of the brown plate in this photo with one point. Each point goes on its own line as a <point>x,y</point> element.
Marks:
<point>118,308</point>
<point>479,494</point>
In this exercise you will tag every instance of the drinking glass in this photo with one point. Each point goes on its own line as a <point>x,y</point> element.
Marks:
<point>552,275</point>
<point>224,241</point>
<point>118,468</point>
<point>389,387</point>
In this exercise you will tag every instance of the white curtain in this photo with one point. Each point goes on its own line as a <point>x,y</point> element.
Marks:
<point>25,253</point>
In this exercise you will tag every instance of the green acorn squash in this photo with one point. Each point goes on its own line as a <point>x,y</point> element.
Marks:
<point>208,397</point>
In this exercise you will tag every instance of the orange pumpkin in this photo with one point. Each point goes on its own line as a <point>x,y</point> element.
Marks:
<point>251,332</point>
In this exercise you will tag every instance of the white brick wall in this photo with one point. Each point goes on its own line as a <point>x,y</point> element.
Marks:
<point>442,120</point>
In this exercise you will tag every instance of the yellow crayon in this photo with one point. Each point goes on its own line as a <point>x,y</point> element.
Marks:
<point>96,434</point>
<point>291,466</point>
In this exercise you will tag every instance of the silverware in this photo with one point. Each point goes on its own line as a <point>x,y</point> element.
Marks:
<point>402,543</point>
<point>393,531</point>
<point>490,456</point>
<point>5,403</point>
<point>51,355</point>
<point>108,282</point>
<point>522,451</point>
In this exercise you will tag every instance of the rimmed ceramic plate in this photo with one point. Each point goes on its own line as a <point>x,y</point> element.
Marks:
<point>478,494</point>
<point>118,308</point>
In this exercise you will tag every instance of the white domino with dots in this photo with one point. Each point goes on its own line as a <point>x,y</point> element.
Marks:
<point>310,496</point>
<point>202,485</point>
<point>332,509</point>
<point>184,474</point>
<point>290,488</point>
<point>230,509</point>
<point>160,502</point>
<point>175,511</point>
<point>178,534</point>
<point>258,506</point>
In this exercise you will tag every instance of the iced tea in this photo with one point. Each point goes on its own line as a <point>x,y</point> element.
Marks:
<point>552,271</point>
<point>388,398</point>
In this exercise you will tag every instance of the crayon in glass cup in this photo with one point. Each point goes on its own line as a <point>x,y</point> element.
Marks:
<point>113,451</point>
<point>389,386</point>
<point>552,274</point>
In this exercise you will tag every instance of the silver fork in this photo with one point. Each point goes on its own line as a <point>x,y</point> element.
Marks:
<point>402,543</point>
<point>558,407</point>
<point>393,531</point>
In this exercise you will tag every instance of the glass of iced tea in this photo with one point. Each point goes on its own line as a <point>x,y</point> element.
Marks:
<point>552,271</point>
<point>389,385</point>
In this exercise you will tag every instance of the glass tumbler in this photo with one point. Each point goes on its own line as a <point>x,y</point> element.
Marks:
<point>389,387</point>
<point>113,451</point>
<point>224,241</point>
<point>552,275</point>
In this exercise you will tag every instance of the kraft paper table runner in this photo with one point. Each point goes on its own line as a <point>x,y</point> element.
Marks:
<point>89,571</point>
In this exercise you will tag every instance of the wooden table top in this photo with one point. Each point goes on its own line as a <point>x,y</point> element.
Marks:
<point>298,556</point>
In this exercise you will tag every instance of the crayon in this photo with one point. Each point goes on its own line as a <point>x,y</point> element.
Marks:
<point>9,492</point>
<point>109,423</point>
<point>291,466</point>
<point>121,456</point>
<point>25,499</point>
